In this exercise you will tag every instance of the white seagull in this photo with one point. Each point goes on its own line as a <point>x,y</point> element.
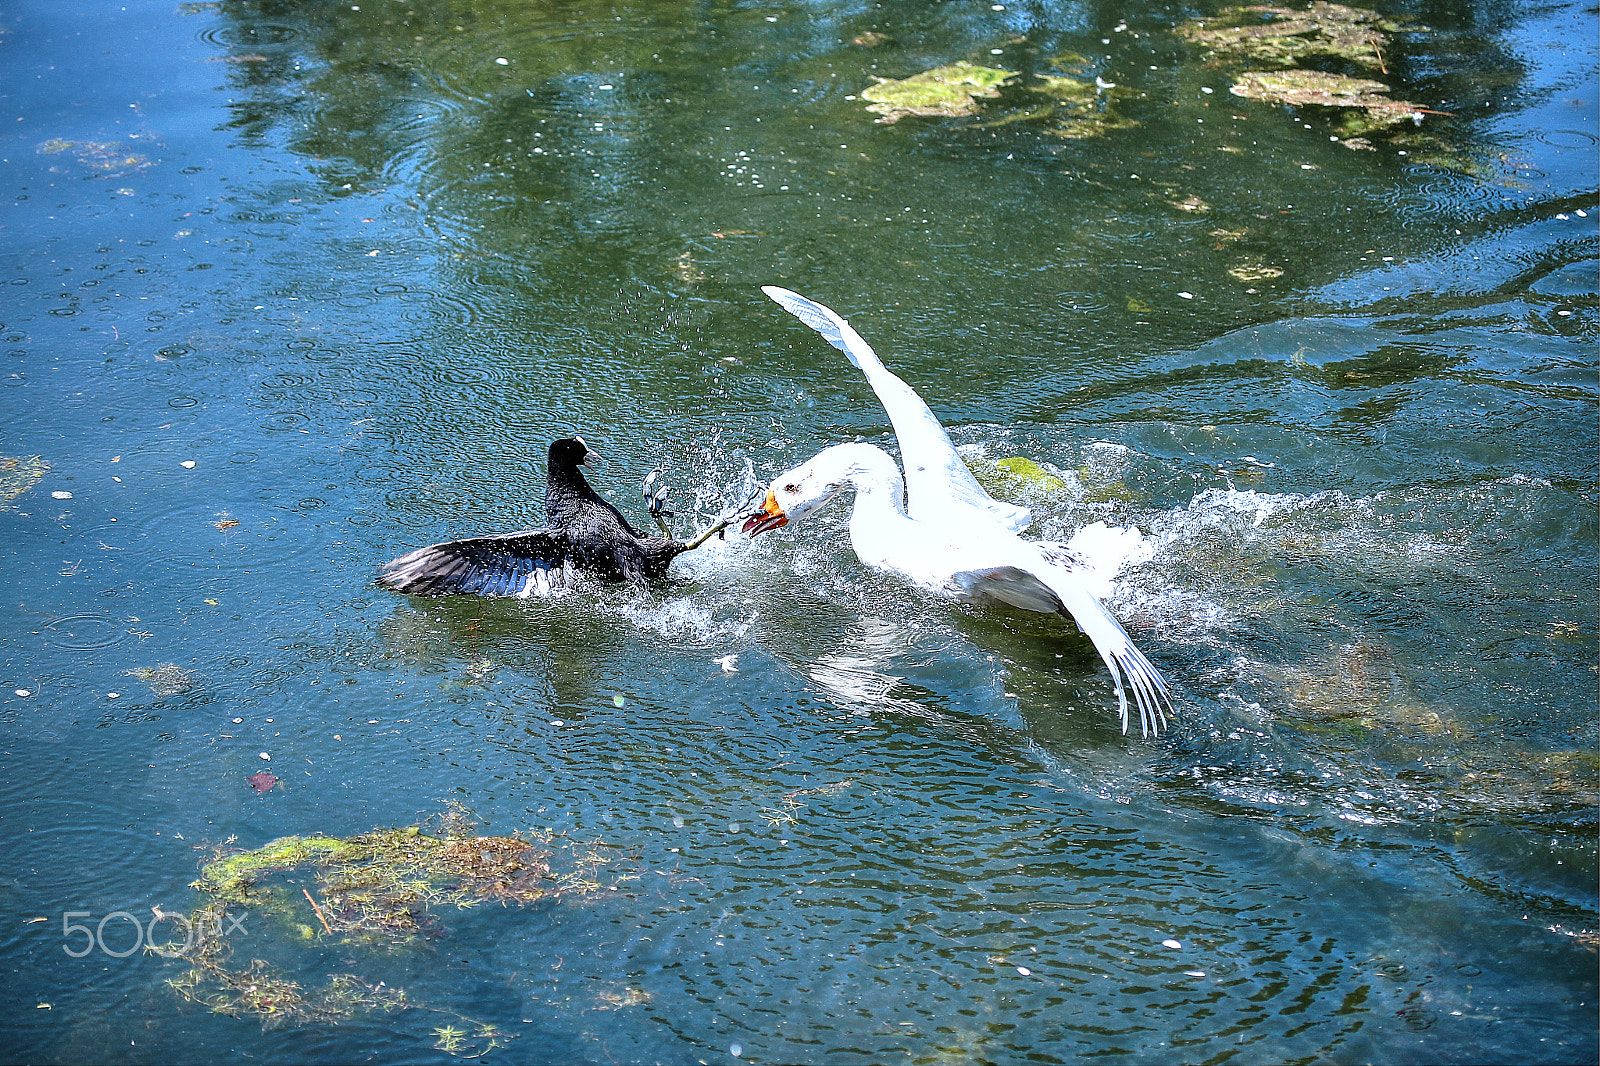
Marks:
<point>937,528</point>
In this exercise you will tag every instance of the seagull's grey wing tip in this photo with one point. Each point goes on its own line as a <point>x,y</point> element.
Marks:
<point>819,317</point>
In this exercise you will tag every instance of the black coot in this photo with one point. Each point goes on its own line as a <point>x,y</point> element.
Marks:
<point>586,537</point>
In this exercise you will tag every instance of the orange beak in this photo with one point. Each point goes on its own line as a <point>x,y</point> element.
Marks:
<point>770,516</point>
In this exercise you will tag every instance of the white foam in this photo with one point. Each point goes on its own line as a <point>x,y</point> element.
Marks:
<point>683,618</point>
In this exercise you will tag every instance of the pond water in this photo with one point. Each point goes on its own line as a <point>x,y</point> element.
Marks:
<point>291,288</point>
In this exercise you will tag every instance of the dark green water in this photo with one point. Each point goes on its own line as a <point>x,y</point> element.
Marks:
<point>290,288</point>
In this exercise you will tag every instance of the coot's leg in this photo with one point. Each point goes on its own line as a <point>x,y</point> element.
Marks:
<point>655,501</point>
<point>727,519</point>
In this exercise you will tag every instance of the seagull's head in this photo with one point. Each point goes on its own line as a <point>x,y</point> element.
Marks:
<point>797,493</point>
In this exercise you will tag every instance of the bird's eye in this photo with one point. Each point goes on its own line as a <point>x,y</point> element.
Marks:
<point>791,489</point>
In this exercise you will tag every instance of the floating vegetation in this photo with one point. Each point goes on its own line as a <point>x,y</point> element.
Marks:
<point>376,891</point>
<point>1079,109</point>
<point>1064,104</point>
<point>783,814</point>
<point>110,158</point>
<point>17,476</point>
<point>168,679</point>
<point>686,270</point>
<point>1019,480</point>
<point>1372,107</point>
<point>1282,44</point>
<point>950,91</point>
<point>1357,689</point>
<point>1252,270</point>
<point>1284,37</point>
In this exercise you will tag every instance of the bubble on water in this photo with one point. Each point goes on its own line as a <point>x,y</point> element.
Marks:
<point>736,1050</point>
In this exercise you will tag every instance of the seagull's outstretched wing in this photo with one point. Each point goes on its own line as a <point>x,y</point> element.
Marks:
<point>1128,665</point>
<point>938,483</point>
<point>532,562</point>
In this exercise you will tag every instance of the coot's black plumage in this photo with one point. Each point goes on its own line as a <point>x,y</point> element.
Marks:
<point>586,536</point>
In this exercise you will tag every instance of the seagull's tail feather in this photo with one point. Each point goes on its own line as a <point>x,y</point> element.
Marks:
<point>1150,692</point>
<point>835,330</point>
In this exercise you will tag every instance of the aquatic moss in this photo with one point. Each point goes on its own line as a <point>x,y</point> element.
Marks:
<point>950,91</point>
<point>1271,36</point>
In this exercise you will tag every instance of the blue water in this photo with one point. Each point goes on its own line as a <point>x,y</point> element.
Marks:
<point>290,289</point>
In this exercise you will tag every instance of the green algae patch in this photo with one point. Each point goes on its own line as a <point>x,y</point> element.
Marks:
<point>1066,90</point>
<point>301,905</point>
<point>230,879</point>
<point>949,91</point>
<point>19,475</point>
<point>381,885</point>
<point>1078,109</point>
<point>1018,480</point>
<point>1031,474</point>
<point>1265,35</point>
<point>1301,88</point>
<point>1281,46</point>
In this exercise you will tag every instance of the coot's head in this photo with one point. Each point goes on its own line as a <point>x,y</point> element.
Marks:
<point>571,451</point>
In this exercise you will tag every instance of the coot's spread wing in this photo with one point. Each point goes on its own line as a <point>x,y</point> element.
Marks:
<point>938,484</point>
<point>531,562</point>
